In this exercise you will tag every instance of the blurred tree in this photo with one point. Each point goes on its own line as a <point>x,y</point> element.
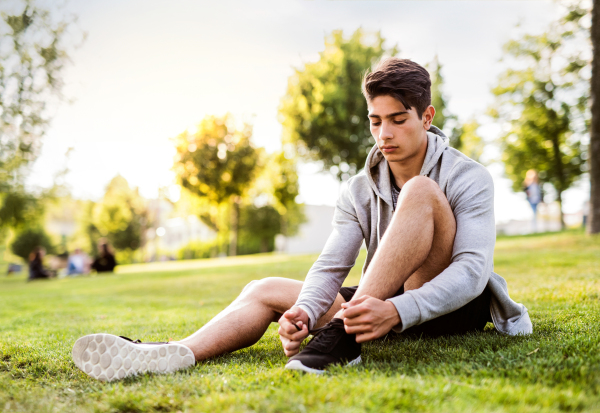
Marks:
<point>466,139</point>
<point>29,238</point>
<point>279,181</point>
<point>463,137</point>
<point>33,44</point>
<point>259,224</point>
<point>438,98</point>
<point>120,216</point>
<point>594,211</point>
<point>218,163</point>
<point>285,190</point>
<point>20,209</point>
<point>323,112</point>
<point>542,104</point>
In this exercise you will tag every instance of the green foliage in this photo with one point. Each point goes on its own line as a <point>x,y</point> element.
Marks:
<point>218,161</point>
<point>120,216</point>
<point>555,369</point>
<point>463,137</point>
<point>258,227</point>
<point>33,55</point>
<point>284,180</point>
<point>542,103</point>
<point>29,238</point>
<point>466,139</point>
<point>438,98</point>
<point>277,185</point>
<point>87,234</point>
<point>324,114</point>
<point>198,249</point>
<point>18,209</point>
<point>32,60</point>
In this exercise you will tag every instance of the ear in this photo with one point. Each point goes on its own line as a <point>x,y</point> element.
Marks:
<point>427,118</point>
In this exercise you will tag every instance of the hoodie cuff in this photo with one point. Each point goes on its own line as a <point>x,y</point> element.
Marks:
<point>311,317</point>
<point>408,310</point>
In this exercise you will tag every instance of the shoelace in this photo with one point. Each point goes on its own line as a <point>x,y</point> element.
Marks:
<point>140,342</point>
<point>321,337</point>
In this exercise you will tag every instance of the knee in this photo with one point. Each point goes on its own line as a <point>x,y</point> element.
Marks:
<point>258,289</point>
<point>422,190</point>
<point>420,184</point>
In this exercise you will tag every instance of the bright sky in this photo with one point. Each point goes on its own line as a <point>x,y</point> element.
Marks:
<point>150,69</point>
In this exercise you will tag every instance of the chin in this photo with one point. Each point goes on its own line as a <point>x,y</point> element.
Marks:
<point>394,157</point>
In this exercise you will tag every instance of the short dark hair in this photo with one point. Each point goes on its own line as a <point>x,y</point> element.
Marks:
<point>402,79</point>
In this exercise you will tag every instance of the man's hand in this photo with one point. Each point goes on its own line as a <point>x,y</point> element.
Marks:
<point>290,336</point>
<point>369,318</point>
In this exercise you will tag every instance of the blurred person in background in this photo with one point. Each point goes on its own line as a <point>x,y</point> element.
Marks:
<point>105,262</point>
<point>36,265</point>
<point>78,263</point>
<point>533,190</point>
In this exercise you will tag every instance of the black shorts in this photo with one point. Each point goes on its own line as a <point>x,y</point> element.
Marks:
<point>471,317</point>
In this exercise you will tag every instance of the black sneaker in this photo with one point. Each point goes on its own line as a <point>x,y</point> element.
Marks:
<point>330,345</point>
<point>106,357</point>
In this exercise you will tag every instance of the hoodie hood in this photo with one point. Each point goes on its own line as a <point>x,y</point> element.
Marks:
<point>377,168</point>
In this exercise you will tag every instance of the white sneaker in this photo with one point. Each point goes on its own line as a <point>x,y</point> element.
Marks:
<point>106,357</point>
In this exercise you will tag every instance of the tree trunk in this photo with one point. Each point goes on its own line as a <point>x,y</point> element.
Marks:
<point>594,149</point>
<point>233,231</point>
<point>264,245</point>
<point>560,210</point>
<point>560,173</point>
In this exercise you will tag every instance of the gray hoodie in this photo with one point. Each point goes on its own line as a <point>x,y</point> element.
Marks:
<point>364,211</point>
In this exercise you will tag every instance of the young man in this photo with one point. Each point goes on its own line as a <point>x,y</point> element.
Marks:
<point>426,213</point>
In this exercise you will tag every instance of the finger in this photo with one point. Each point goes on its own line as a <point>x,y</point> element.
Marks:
<point>355,311</point>
<point>360,329</point>
<point>291,345</point>
<point>355,301</point>
<point>298,325</point>
<point>358,320</point>
<point>287,330</point>
<point>290,353</point>
<point>362,338</point>
<point>288,348</point>
<point>291,314</point>
<point>291,333</point>
<point>299,336</point>
<point>289,325</point>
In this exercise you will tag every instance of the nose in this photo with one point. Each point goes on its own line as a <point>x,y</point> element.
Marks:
<point>385,131</point>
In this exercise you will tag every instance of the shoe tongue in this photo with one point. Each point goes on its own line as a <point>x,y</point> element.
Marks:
<point>328,336</point>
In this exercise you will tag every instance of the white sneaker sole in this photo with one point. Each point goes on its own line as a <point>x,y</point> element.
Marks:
<point>106,357</point>
<point>297,365</point>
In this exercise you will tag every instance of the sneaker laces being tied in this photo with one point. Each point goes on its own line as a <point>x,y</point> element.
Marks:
<point>324,337</point>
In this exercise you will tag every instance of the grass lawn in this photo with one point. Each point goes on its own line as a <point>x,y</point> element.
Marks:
<point>557,368</point>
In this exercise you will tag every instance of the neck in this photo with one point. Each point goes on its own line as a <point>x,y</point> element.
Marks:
<point>409,168</point>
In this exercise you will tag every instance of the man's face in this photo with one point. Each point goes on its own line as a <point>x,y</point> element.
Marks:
<point>398,132</point>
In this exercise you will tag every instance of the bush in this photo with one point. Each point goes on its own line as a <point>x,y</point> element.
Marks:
<point>198,249</point>
<point>28,239</point>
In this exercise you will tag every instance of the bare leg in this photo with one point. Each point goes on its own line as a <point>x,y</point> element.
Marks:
<point>247,318</point>
<point>417,245</point>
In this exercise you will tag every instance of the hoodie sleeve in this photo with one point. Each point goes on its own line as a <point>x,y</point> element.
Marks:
<point>327,274</point>
<point>470,192</point>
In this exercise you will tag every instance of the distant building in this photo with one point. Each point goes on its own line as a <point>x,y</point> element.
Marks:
<point>181,231</point>
<point>169,233</point>
<point>312,235</point>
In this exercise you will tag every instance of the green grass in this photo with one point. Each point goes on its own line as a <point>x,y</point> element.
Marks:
<point>555,369</point>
